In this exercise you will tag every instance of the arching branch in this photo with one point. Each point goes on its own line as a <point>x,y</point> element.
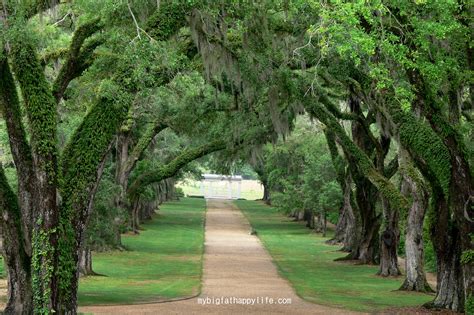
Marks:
<point>79,57</point>
<point>142,144</point>
<point>170,169</point>
<point>363,162</point>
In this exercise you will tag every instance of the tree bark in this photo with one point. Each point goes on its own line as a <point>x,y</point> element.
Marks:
<point>85,255</point>
<point>85,262</point>
<point>266,193</point>
<point>325,223</point>
<point>389,242</point>
<point>453,187</point>
<point>42,118</point>
<point>121,174</point>
<point>17,260</point>
<point>339,231</point>
<point>346,228</point>
<point>127,160</point>
<point>367,249</point>
<point>17,213</point>
<point>446,239</point>
<point>450,233</point>
<point>308,216</point>
<point>453,276</point>
<point>415,279</point>
<point>134,217</point>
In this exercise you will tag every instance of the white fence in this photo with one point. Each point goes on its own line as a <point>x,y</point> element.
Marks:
<point>215,186</point>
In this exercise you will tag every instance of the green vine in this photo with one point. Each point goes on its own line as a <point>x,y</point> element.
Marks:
<point>43,268</point>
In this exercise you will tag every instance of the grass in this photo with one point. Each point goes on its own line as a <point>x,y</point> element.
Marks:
<point>3,274</point>
<point>308,263</point>
<point>163,262</point>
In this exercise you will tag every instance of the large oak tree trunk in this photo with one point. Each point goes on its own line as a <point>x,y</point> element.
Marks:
<point>135,217</point>
<point>121,174</point>
<point>452,193</point>
<point>351,235</point>
<point>367,249</point>
<point>451,235</point>
<point>413,186</point>
<point>339,231</point>
<point>41,111</point>
<point>266,193</point>
<point>365,195</point>
<point>17,213</point>
<point>85,262</point>
<point>446,242</point>
<point>121,178</point>
<point>389,242</point>
<point>346,228</point>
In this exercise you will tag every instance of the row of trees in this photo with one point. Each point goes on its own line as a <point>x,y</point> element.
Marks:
<point>299,178</point>
<point>115,99</point>
<point>381,77</point>
<point>108,91</point>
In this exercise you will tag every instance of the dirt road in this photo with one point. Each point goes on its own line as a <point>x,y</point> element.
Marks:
<point>239,276</point>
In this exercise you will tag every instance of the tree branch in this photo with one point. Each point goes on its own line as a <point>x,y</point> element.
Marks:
<point>170,169</point>
<point>10,108</point>
<point>362,161</point>
<point>79,57</point>
<point>14,250</point>
<point>39,103</point>
<point>391,168</point>
<point>21,151</point>
<point>142,144</point>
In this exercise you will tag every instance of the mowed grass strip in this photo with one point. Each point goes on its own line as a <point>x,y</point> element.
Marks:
<point>163,262</point>
<point>308,263</point>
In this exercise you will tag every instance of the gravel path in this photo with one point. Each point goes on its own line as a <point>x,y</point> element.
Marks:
<point>237,272</point>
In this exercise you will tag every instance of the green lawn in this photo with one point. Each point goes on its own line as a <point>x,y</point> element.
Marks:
<point>304,259</point>
<point>163,262</point>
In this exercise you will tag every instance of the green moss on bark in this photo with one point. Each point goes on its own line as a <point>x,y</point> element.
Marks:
<point>79,164</point>
<point>39,103</point>
<point>364,164</point>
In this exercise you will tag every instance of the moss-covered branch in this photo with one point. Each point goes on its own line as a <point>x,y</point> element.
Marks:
<point>364,164</point>
<point>167,20</point>
<point>391,168</point>
<point>79,57</point>
<point>29,8</point>
<point>19,147</point>
<point>333,109</point>
<point>338,162</point>
<point>170,169</point>
<point>425,147</point>
<point>10,109</point>
<point>79,164</point>
<point>142,144</point>
<point>39,103</point>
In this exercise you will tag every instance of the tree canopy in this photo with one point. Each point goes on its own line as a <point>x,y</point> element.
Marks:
<point>354,112</point>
